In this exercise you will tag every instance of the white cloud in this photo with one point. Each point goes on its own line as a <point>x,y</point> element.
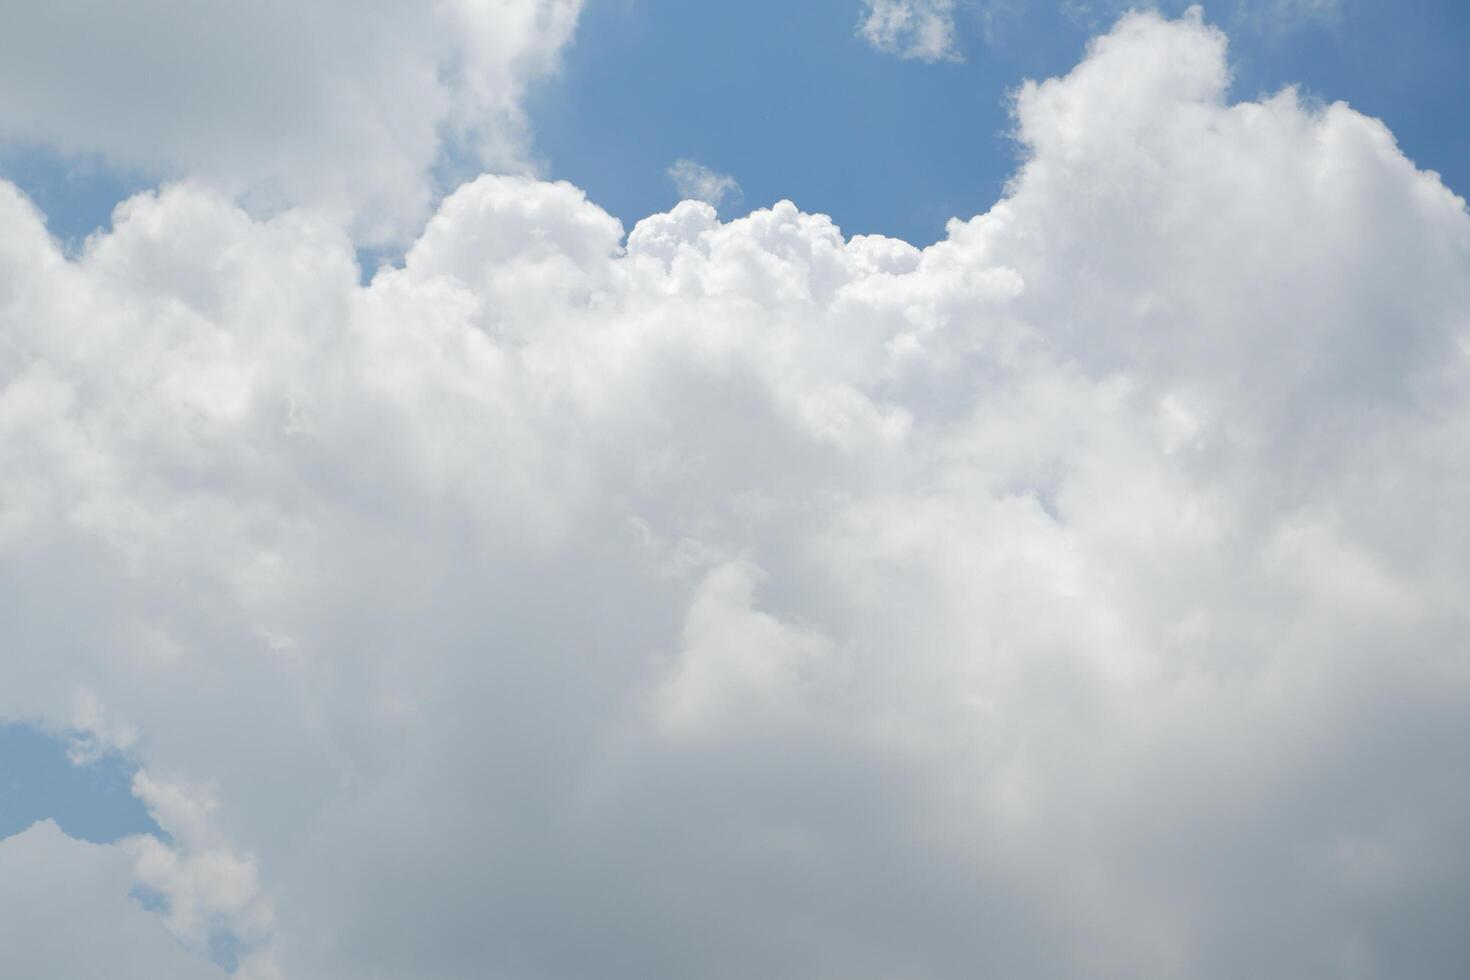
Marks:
<point>1081,595</point>
<point>339,105</point>
<point>696,182</point>
<point>91,734</point>
<point>920,29</point>
<point>207,888</point>
<point>736,661</point>
<point>67,913</point>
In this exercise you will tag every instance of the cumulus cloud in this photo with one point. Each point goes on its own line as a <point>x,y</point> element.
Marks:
<point>344,106</point>
<point>696,182</point>
<point>734,660</point>
<point>1080,595</point>
<point>919,29</point>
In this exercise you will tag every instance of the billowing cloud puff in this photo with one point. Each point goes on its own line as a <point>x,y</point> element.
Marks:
<point>346,106</point>
<point>1082,595</point>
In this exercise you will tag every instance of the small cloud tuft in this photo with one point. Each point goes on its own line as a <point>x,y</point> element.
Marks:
<point>697,182</point>
<point>922,30</point>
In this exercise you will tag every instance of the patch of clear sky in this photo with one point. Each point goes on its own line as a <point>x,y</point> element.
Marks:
<point>38,781</point>
<point>787,99</point>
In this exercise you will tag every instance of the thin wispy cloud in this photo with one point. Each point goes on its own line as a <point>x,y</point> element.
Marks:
<point>923,30</point>
<point>696,182</point>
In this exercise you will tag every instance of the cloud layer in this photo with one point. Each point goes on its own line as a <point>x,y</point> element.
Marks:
<point>1081,595</point>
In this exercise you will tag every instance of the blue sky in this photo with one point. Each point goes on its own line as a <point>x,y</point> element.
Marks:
<point>37,781</point>
<point>788,100</point>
